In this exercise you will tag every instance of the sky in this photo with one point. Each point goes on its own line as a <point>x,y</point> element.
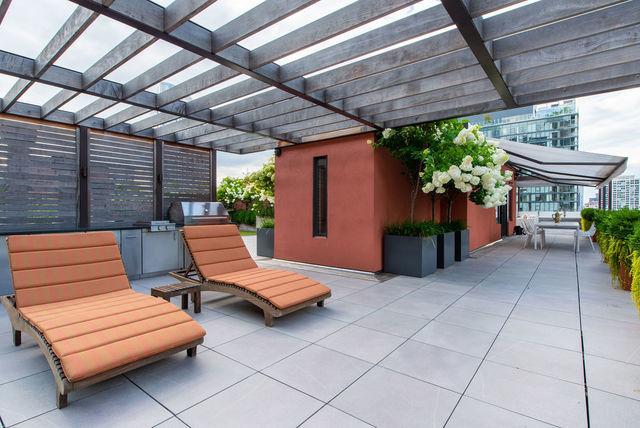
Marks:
<point>608,122</point>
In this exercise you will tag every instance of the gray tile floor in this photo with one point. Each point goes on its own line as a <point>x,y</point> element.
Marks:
<point>494,341</point>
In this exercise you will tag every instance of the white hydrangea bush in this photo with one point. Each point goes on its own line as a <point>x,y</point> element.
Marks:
<point>470,164</point>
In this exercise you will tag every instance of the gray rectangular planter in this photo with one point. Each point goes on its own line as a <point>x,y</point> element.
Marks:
<point>446,249</point>
<point>409,255</point>
<point>265,242</point>
<point>462,244</point>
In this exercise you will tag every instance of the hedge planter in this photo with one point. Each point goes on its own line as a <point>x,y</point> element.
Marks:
<point>624,278</point>
<point>446,249</point>
<point>462,245</point>
<point>410,255</point>
<point>265,242</point>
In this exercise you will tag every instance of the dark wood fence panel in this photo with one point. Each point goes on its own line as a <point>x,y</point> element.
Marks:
<point>38,177</point>
<point>186,174</point>
<point>120,180</point>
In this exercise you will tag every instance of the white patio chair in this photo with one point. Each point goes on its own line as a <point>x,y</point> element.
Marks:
<point>533,233</point>
<point>585,234</point>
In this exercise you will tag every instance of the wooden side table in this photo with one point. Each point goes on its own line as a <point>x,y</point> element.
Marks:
<point>180,289</point>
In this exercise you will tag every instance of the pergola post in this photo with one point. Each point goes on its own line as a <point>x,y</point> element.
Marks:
<point>158,213</point>
<point>213,168</point>
<point>84,220</point>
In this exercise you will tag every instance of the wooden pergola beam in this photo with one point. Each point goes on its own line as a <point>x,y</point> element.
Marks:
<point>199,40</point>
<point>467,27</point>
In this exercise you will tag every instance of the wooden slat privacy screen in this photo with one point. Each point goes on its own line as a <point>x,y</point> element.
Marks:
<point>120,180</point>
<point>38,177</point>
<point>186,175</point>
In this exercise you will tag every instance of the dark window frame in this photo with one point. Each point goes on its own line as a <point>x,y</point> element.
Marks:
<point>320,197</point>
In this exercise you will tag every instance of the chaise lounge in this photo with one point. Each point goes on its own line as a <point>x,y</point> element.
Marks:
<point>222,263</point>
<point>73,297</point>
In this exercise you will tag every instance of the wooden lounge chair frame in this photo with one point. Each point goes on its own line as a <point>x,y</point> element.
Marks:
<point>193,274</point>
<point>63,385</point>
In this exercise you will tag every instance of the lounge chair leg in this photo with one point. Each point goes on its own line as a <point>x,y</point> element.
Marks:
<point>320,304</point>
<point>197,302</point>
<point>61,400</point>
<point>17,337</point>
<point>268,319</point>
<point>185,301</point>
<point>191,352</point>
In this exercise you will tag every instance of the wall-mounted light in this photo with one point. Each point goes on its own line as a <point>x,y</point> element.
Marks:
<point>277,151</point>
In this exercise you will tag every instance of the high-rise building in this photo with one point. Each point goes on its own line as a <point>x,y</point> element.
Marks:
<point>550,125</point>
<point>592,203</point>
<point>625,192</point>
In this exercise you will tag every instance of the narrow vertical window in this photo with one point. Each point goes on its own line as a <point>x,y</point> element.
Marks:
<point>320,196</point>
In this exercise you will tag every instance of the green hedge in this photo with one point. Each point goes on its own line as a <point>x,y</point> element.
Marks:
<point>424,228</point>
<point>414,228</point>
<point>243,217</point>
<point>619,241</point>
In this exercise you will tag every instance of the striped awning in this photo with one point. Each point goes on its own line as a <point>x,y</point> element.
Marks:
<point>541,165</point>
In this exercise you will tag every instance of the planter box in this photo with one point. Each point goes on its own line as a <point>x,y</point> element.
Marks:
<point>409,255</point>
<point>446,249</point>
<point>624,278</point>
<point>265,242</point>
<point>462,245</point>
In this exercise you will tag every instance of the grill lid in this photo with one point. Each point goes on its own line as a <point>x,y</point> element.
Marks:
<point>188,213</point>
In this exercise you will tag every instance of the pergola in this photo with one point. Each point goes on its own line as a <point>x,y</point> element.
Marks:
<point>368,65</point>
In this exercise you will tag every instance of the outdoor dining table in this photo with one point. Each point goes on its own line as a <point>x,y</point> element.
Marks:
<point>563,225</point>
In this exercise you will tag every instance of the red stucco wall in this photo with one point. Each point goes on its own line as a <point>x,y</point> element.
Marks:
<point>352,239</point>
<point>367,189</point>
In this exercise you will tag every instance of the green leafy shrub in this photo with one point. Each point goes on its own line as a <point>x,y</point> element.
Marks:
<point>419,228</point>
<point>619,241</point>
<point>453,226</point>
<point>616,231</point>
<point>588,216</point>
<point>243,217</point>
<point>634,245</point>
<point>267,223</point>
<point>589,213</point>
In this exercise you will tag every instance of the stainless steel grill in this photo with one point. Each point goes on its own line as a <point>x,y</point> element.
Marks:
<point>194,213</point>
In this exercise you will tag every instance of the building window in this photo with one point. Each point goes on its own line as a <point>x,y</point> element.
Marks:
<point>320,196</point>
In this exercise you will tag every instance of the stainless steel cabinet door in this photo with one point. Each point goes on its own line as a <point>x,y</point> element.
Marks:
<point>131,249</point>
<point>160,251</point>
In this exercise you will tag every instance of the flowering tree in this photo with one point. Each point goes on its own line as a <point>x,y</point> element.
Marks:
<point>406,144</point>
<point>256,190</point>
<point>231,190</point>
<point>261,188</point>
<point>467,163</point>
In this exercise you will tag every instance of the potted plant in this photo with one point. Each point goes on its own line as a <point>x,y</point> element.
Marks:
<point>461,238</point>
<point>447,158</point>
<point>410,248</point>
<point>265,237</point>
<point>634,244</point>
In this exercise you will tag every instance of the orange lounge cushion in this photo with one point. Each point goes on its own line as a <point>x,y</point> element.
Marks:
<point>282,288</point>
<point>93,335</point>
<point>218,249</point>
<point>65,266</point>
